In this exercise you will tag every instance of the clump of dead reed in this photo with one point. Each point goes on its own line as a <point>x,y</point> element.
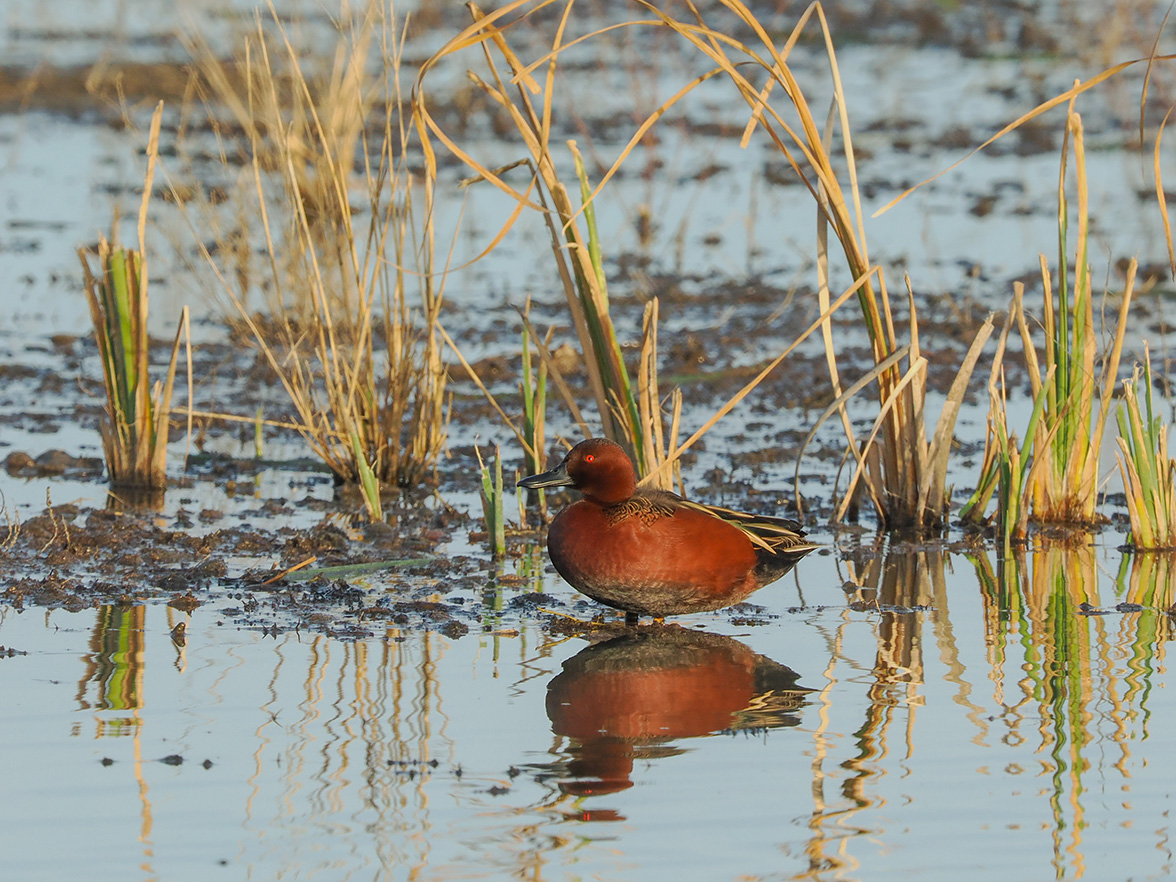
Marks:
<point>135,428</point>
<point>902,470</point>
<point>631,412</point>
<point>355,348</point>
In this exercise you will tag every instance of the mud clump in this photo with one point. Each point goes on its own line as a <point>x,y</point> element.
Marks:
<point>52,463</point>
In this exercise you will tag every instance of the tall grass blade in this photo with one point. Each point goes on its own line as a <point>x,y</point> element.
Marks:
<point>1146,466</point>
<point>369,484</point>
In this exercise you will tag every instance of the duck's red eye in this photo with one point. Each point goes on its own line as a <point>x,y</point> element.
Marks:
<point>589,457</point>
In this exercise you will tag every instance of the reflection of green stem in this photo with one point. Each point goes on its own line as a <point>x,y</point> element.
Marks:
<point>1151,586</point>
<point>116,668</point>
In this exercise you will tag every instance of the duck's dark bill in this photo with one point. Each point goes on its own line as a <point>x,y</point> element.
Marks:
<point>557,477</point>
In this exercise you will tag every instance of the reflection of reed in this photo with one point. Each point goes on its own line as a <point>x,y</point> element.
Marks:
<point>901,583</point>
<point>363,717</point>
<point>1047,603</point>
<point>528,577</point>
<point>1147,630</point>
<point>632,696</point>
<point>114,666</point>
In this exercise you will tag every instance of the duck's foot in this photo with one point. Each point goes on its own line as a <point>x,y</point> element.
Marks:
<point>633,620</point>
<point>562,623</point>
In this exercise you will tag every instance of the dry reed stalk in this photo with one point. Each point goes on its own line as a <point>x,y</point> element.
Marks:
<point>634,420</point>
<point>575,247</point>
<point>135,430</point>
<point>341,292</point>
<point>909,486</point>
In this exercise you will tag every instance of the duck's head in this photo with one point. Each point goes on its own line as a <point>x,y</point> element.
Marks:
<point>598,468</point>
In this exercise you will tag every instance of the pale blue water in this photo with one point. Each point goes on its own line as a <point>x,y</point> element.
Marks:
<point>938,742</point>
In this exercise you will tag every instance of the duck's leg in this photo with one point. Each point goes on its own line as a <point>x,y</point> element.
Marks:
<point>632,619</point>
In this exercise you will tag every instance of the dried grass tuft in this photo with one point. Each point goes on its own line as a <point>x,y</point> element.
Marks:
<point>357,353</point>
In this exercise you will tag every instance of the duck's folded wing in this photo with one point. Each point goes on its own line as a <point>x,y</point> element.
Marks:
<point>775,535</point>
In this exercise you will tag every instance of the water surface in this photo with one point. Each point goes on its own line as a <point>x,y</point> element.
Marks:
<point>963,719</point>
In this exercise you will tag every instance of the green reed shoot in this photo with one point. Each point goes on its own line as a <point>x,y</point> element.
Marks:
<point>1071,402</point>
<point>1148,469</point>
<point>259,433</point>
<point>135,430</point>
<point>1070,435</point>
<point>369,483</point>
<point>1014,468</point>
<point>492,502</point>
<point>1007,464</point>
<point>534,392</point>
<point>606,349</point>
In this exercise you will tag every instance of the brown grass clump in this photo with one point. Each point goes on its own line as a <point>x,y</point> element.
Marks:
<point>357,353</point>
<point>632,412</point>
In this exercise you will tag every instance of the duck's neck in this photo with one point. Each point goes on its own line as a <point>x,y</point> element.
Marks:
<point>611,486</point>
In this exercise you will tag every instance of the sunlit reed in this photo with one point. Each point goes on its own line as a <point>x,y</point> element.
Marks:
<point>1146,465</point>
<point>1072,388</point>
<point>135,429</point>
<point>358,356</point>
<point>914,468</point>
<point>492,496</point>
<point>533,388</point>
<point>907,486</point>
<point>571,224</point>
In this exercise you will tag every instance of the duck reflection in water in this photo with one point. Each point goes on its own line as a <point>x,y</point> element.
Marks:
<point>630,696</point>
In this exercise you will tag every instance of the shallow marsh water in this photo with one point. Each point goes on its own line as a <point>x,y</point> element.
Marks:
<point>955,727</point>
<point>959,716</point>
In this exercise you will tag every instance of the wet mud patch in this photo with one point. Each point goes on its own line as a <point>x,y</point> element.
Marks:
<point>281,579</point>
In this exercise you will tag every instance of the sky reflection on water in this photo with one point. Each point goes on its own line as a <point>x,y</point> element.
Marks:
<point>965,716</point>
